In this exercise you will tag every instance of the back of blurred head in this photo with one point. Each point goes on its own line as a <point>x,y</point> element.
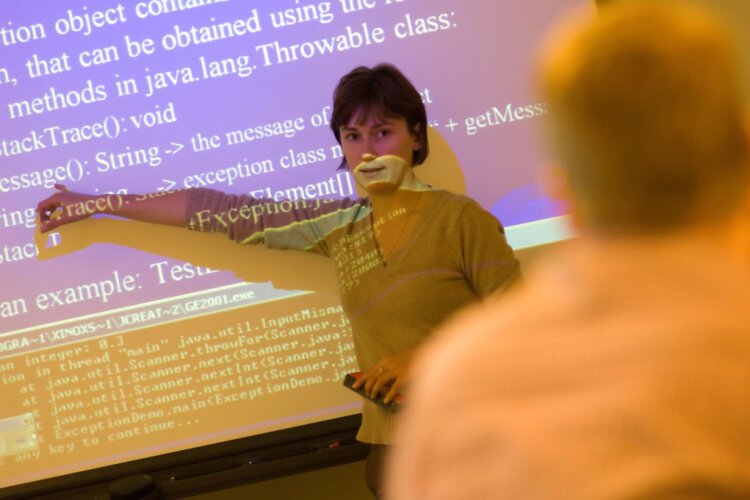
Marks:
<point>646,118</point>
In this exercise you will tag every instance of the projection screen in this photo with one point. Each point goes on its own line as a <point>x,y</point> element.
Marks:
<point>122,340</point>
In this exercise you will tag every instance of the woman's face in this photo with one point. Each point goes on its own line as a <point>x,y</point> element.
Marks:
<point>378,137</point>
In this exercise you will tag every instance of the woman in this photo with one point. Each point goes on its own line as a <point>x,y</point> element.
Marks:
<point>406,256</point>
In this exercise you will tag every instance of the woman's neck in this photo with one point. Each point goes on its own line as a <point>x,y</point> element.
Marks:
<point>403,197</point>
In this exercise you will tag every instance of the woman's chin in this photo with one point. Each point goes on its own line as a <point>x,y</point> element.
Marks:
<point>381,187</point>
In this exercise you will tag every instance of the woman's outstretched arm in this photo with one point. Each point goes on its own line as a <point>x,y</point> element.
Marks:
<point>65,206</point>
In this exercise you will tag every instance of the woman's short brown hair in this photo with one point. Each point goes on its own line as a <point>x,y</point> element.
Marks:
<point>385,92</point>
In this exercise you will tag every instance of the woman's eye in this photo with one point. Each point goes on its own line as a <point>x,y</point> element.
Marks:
<point>351,137</point>
<point>384,133</point>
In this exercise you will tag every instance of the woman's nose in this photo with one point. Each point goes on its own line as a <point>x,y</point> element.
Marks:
<point>368,147</point>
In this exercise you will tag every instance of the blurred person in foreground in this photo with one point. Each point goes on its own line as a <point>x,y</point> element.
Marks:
<point>621,370</point>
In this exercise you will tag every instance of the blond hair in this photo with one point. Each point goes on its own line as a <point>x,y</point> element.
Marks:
<point>646,117</point>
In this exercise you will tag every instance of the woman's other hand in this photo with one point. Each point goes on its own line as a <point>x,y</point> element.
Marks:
<point>387,376</point>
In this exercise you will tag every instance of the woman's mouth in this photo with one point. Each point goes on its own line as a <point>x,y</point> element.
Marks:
<point>371,171</point>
